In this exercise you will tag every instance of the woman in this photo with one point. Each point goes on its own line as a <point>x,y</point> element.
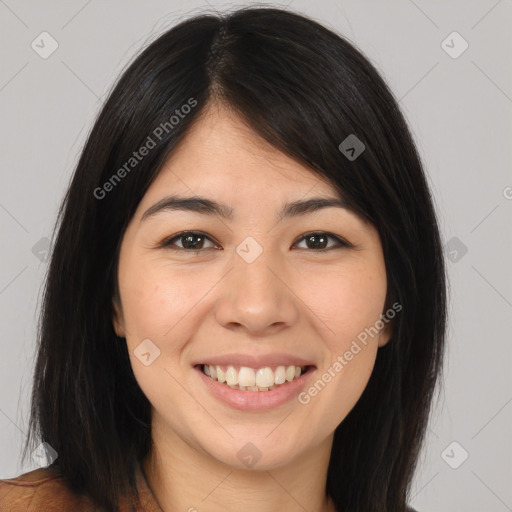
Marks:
<point>245,306</point>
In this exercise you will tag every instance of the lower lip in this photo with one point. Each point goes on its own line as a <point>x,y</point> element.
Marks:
<point>255,400</point>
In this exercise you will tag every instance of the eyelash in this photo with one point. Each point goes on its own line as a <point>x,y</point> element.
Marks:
<point>168,244</point>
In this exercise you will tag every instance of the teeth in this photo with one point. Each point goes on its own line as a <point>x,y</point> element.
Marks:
<point>249,379</point>
<point>221,376</point>
<point>231,376</point>
<point>280,375</point>
<point>265,377</point>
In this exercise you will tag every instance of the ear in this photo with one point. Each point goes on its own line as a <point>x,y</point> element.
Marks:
<point>118,320</point>
<point>385,333</point>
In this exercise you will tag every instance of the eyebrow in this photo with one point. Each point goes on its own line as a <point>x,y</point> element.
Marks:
<point>205,206</point>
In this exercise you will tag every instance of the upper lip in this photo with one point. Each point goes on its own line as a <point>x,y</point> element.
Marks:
<point>255,361</point>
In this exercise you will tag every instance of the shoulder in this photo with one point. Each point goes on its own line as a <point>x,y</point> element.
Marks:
<point>40,490</point>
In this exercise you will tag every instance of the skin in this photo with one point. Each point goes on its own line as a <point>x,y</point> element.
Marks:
<point>291,299</point>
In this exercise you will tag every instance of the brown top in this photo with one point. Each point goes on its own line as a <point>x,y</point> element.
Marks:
<point>43,490</point>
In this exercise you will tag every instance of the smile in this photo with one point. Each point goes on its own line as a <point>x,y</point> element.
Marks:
<point>245,378</point>
<point>254,388</point>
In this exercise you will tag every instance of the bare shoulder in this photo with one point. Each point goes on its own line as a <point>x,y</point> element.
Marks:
<point>41,490</point>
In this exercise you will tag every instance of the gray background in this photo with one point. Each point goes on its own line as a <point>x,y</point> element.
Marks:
<point>459,110</point>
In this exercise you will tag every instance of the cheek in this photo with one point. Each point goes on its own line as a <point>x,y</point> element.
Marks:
<point>346,300</point>
<point>340,382</point>
<point>348,303</point>
<point>155,299</point>
<point>155,302</point>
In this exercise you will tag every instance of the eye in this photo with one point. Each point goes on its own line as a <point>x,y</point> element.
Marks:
<point>319,239</point>
<point>189,240</point>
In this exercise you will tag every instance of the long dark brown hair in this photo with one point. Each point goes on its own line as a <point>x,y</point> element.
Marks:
<point>304,89</point>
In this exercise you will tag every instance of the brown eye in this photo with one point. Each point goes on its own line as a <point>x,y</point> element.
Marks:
<point>318,241</point>
<point>193,241</point>
<point>190,240</point>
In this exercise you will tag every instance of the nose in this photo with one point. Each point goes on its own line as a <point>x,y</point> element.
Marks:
<point>257,294</point>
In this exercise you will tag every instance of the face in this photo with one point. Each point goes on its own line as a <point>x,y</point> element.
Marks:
<point>275,297</point>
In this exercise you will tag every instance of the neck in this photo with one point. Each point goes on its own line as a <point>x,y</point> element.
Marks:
<point>185,478</point>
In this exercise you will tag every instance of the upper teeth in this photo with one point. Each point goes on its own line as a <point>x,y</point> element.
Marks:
<point>247,377</point>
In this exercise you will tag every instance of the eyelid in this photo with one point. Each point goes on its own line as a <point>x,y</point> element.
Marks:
<point>166,243</point>
<point>341,242</point>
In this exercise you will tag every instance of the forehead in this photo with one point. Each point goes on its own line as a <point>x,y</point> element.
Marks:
<point>221,154</point>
